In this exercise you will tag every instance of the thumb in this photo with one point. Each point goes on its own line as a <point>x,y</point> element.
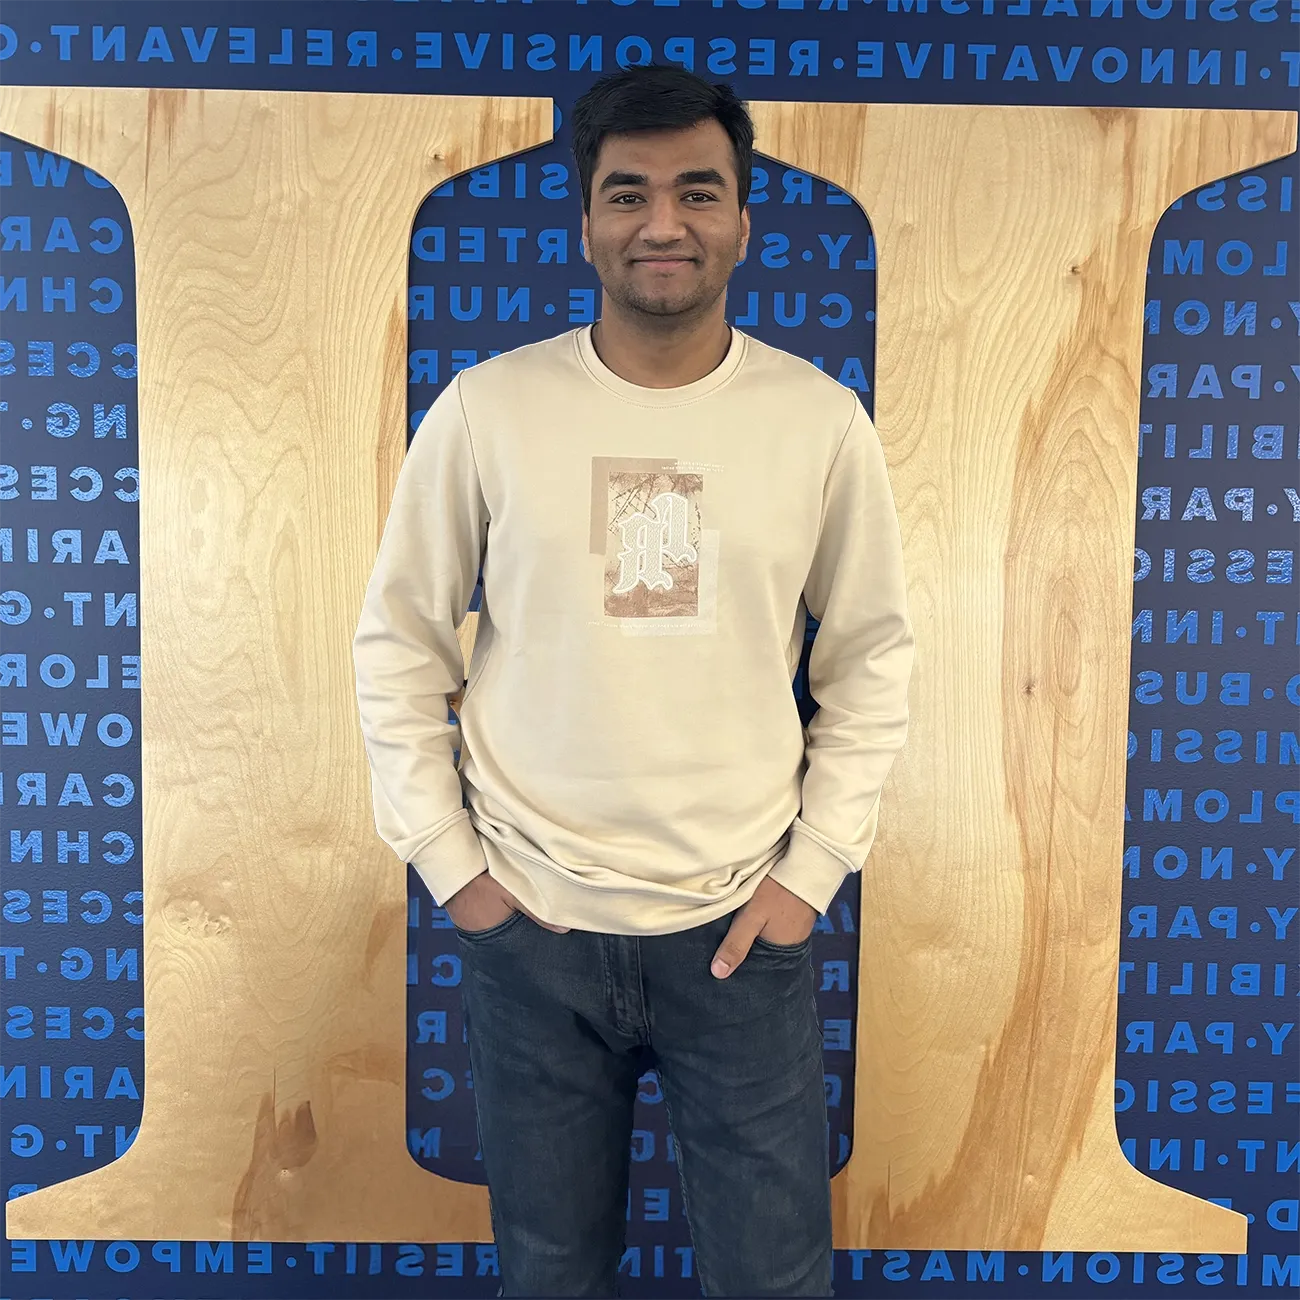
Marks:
<point>735,947</point>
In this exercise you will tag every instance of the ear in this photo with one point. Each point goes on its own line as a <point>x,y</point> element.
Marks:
<point>586,237</point>
<point>744,233</point>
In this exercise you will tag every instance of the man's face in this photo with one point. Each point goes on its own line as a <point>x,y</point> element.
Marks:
<point>665,230</point>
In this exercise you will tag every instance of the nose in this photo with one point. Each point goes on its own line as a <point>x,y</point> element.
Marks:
<point>662,222</point>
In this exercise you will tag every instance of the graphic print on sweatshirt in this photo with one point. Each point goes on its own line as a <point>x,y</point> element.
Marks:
<point>660,573</point>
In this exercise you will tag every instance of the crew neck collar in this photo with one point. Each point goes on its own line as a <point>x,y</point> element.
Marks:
<point>643,396</point>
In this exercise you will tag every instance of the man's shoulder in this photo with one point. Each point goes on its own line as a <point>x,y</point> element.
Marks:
<point>797,378</point>
<point>517,364</point>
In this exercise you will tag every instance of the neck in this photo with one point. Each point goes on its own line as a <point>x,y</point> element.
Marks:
<point>662,358</point>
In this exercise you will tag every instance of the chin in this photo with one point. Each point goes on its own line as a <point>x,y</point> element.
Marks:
<point>661,306</point>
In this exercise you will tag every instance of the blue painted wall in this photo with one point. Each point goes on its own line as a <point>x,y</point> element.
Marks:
<point>1206,1096</point>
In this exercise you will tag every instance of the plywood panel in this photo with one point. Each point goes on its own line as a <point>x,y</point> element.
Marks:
<point>271,236</point>
<point>272,333</point>
<point>1011,247</point>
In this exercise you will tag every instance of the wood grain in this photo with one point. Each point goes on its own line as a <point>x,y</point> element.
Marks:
<point>271,241</point>
<point>1012,246</point>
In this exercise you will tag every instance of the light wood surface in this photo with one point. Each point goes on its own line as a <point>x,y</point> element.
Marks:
<point>272,329</point>
<point>271,241</point>
<point>1011,246</point>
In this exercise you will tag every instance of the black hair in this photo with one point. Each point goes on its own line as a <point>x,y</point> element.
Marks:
<point>656,97</point>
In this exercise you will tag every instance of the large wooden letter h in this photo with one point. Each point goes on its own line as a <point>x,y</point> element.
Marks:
<point>271,236</point>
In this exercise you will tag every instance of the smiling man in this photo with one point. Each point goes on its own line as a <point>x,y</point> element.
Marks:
<point>664,229</point>
<point>641,834</point>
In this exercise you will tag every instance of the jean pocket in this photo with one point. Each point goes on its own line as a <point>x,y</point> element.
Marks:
<point>501,927</point>
<point>784,949</point>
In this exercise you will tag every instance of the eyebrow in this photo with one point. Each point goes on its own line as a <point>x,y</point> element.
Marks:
<point>699,176</point>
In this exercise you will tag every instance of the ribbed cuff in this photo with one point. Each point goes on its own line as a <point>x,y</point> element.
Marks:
<point>809,871</point>
<point>452,860</point>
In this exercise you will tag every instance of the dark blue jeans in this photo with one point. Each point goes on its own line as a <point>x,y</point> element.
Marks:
<point>562,1026</point>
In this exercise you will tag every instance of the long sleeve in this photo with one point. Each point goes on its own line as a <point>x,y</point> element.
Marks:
<point>859,670</point>
<point>407,659</point>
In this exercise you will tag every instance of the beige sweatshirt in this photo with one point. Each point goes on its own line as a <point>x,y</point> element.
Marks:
<point>631,750</point>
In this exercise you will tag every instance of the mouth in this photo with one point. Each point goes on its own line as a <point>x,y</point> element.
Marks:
<point>666,263</point>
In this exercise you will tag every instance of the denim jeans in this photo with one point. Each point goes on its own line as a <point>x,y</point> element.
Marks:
<point>562,1026</point>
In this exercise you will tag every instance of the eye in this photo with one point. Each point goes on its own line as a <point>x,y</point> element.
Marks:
<point>617,199</point>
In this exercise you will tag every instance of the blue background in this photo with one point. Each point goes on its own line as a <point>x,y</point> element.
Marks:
<point>1207,1085</point>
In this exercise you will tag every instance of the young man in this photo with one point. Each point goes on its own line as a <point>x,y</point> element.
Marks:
<point>650,833</point>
